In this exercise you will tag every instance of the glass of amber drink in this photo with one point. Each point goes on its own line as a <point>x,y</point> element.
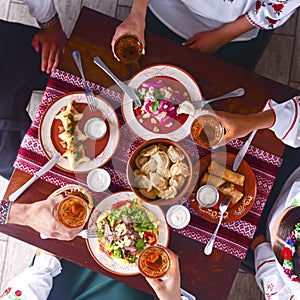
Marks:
<point>72,211</point>
<point>154,262</point>
<point>128,48</point>
<point>207,131</point>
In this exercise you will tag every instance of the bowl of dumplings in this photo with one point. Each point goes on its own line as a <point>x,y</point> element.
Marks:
<point>159,171</point>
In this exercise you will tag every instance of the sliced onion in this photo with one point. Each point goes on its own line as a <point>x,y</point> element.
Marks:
<point>156,84</point>
<point>168,102</point>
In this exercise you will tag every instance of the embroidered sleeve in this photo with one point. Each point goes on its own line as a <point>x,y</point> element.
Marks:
<point>43,11</point>
<point>35,282</point>
<point>269,14</point>
<point>267,274</point>
<point>287,121</point>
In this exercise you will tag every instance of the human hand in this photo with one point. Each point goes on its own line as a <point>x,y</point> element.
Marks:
<point>134,24</point>
<point>236,125</point>
<point>206,42</point>
<point>168,288</point>
<point>41,217</point>
<point>51,41</point>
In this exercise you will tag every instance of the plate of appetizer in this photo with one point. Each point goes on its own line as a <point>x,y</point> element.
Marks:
<point>166,93</point>
<point>125,226</point>
<point>63,129</point>
<point>216,170</point>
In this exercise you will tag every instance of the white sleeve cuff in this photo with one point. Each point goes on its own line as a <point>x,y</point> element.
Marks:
<point>286,124</point>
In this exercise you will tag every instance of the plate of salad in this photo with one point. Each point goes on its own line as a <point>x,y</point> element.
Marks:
<point>125,226</point>
<point>162,89</point>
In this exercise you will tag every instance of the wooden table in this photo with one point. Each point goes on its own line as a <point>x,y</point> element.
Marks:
<point>92,35</point>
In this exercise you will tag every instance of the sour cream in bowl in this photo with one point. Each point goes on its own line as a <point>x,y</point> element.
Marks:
<point>95,128</point>
<point>207,196</point>
<point>98,180</point>
<point>178,216</point>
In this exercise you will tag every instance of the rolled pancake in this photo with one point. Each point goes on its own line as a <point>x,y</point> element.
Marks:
<point>228,175</point>
<point>212,180</point>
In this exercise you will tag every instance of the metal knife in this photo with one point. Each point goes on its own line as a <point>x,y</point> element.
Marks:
<point>15,195</point>
<point>243,151</point>
<point>126,89</point>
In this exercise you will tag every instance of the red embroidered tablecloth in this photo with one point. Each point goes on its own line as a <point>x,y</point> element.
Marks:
<point>234,238</point>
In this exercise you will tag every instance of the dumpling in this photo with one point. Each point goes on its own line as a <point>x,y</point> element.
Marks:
<point>158,181</point>
<point>143,181</point>
<point>149,150</point>
<point>141,160</point>
<point>149,167</point>
<point>170,192</point>
<point>162,163</point>
<point>175,154</point>
<point>179,168</point>
<point>177,181</point>
<point>148,194</point>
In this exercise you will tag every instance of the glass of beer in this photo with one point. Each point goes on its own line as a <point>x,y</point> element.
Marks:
<point>207,131</point>
<point>72,211</point>
<point>128,48</point>
<point>154,262</point>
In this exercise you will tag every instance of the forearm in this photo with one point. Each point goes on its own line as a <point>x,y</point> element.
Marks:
<point>139,7</point>
<point>261,120</point>
<point>231,30</point>
<point>19,214</point>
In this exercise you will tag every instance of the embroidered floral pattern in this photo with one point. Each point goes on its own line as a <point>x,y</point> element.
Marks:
<point>9,294</point>
<point>288,251</point>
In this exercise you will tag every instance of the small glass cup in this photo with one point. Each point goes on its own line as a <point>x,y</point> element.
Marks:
<point>154,262</point>
<point>128,48</point>
<point>207,131</point>
<point>72,211</point>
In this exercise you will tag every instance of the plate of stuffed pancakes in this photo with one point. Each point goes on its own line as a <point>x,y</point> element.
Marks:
<point>215,169</point>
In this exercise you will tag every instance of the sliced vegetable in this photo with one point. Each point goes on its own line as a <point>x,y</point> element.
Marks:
<point>150,238</point>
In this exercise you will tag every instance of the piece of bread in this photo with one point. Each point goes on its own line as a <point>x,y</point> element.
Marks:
<point>228,175</point>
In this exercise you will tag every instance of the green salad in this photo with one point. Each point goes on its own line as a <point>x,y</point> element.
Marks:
<point>126,229</point>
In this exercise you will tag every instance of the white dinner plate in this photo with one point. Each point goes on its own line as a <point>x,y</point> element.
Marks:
<point>168,71</point>
<point>104,260</point>
<point>101,150</point>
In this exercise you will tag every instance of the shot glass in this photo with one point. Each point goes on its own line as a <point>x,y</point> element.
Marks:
<point>154,262</point>
<point>207,131</point>
<point>128,48</point>
<point>72,211</point>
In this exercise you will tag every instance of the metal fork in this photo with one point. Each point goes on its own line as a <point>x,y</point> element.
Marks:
<point>88,92</point>
<point>223,207</point>
<point>88,233</point>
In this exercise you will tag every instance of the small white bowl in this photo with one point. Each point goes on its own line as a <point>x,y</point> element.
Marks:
<point>178,216</point>
<point>207,196</point>
<point>95,128</point>
<point>98,180</point>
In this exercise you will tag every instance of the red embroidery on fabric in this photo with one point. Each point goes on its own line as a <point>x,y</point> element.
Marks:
<point>295,119</point>
<point>265,262</point>
<point>272,22</point>
<point>278,7</point>
<point>6,292</point>
<point>18,293</point>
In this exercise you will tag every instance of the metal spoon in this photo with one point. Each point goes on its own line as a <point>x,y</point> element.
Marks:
<point>187,107</point>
